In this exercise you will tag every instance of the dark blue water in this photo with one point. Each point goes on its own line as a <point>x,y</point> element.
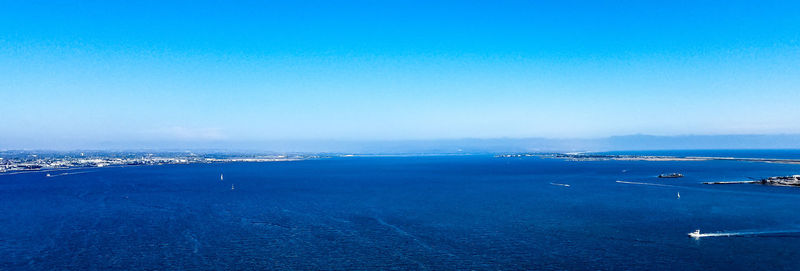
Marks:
<point>462,212</point>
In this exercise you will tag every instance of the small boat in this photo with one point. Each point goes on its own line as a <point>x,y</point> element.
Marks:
<point>220,177</point>
<point>670,175</point>
<point>48,174</point>
<point>232,187</point>
<point>560,184</point>
<point>679,195</point>
<point>696,234</point>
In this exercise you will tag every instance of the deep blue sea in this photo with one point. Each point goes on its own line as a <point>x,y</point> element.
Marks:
<point>432,212</point>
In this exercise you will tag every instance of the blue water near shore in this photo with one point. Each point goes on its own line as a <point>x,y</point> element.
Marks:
<point>441,212</point>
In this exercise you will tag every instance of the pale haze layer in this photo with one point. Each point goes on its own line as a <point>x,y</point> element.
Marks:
<point>91,74</point>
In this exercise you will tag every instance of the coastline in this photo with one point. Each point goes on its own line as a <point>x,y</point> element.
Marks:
<point>651,158</point>
<point>51,165</point>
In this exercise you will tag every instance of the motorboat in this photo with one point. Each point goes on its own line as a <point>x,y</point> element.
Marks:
<point>670,175</point>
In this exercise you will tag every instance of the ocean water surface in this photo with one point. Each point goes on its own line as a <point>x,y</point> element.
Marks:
<point>434,212</point>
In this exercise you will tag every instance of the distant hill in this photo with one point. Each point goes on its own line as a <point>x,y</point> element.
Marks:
<point>646,142</point>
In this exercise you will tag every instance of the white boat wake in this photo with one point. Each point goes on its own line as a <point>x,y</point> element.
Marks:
<point>697,235</point>
<point>66,173</point>
<point>653,184</point>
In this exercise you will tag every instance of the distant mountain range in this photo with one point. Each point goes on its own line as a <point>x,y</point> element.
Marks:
<point>646,142</point>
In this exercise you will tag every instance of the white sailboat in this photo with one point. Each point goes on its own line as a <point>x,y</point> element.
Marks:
<point>679,194</point>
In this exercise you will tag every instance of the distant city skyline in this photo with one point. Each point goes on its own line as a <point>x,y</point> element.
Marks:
<point>206,74</point>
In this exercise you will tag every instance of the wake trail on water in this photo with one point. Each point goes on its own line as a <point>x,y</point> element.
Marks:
<point>67,173</point>
<point>653,184</point>
<point>747,233</point>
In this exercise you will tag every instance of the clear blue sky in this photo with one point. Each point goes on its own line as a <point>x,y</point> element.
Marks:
<point>89,71</point>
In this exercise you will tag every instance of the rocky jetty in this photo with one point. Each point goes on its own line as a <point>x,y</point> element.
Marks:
<point>793,180</point>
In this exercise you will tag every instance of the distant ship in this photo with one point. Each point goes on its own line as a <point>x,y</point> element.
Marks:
<point>232,187</point>
<point>220,177</point>
<point>670,175</point>
<point>679,195</point>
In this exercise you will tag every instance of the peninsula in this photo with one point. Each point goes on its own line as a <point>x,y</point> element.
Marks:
<point>656,158</point>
